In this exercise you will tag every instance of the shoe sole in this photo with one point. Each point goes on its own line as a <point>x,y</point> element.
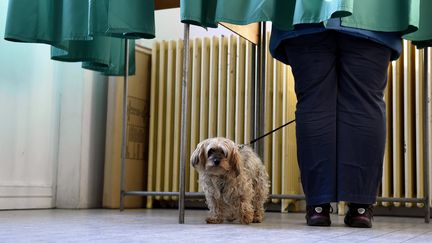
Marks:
<point>319,223</point>
<point>359,224</point>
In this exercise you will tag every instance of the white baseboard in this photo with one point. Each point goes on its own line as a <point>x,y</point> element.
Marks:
<point>25,197</point>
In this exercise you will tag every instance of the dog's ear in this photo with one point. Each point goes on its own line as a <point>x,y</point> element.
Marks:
<point>235,160</point>
<point>198,154</point>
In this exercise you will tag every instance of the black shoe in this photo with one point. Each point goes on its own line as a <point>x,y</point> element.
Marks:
<point>318,215</point>
<point>359,215</point>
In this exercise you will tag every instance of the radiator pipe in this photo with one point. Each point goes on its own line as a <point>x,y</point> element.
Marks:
<point>199,195</point>
<point>184,121</point>
<point>260,87</point>
<point>124,126</point>
<point>400,200</point>
<point>253,91</point>
<point>426,124</point>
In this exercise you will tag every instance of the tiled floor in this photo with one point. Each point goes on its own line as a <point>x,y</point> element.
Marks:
<point>162,226</point>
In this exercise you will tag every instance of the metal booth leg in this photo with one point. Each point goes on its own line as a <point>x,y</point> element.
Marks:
<point>259,88</point>
<point>183,124</point>
<point>124,131</point>
<point>426,135</point>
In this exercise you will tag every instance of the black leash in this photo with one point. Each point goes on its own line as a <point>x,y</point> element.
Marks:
<point>272,131</point>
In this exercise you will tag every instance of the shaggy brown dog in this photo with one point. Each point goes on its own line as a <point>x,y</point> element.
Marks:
<point>234,180</point>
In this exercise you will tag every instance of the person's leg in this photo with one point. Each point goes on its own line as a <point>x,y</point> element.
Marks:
<point>313,62</point>
<point>360,118</point>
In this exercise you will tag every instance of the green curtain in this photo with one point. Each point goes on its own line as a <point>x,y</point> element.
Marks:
<point>88,31</point>
<point>122,18</point>
<point>102,54</point>
<point>423,36</point>
<point>410,17</point>
<point>207,13</point>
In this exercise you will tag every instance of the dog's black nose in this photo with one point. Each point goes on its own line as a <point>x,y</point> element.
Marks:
<point>216,162</point>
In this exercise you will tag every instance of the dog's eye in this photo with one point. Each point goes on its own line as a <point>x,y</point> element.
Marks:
<point>210,152</point>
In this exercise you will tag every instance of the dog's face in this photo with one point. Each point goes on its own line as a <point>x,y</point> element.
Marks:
<point>216,156</point>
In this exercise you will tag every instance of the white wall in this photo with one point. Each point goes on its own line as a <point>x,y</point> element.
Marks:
<point>82,139</point>
<point>29,115</point>
<point>169,27</point>
<point>52,129</point>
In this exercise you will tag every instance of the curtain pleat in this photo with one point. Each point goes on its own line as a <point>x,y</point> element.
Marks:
<point>88,31</point>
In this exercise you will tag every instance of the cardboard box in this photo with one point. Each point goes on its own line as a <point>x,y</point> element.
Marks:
<point>137,134</point>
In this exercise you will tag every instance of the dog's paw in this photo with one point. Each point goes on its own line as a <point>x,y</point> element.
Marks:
<point>258,218</point>
<point>214,220</point>
<point>246,218</point>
